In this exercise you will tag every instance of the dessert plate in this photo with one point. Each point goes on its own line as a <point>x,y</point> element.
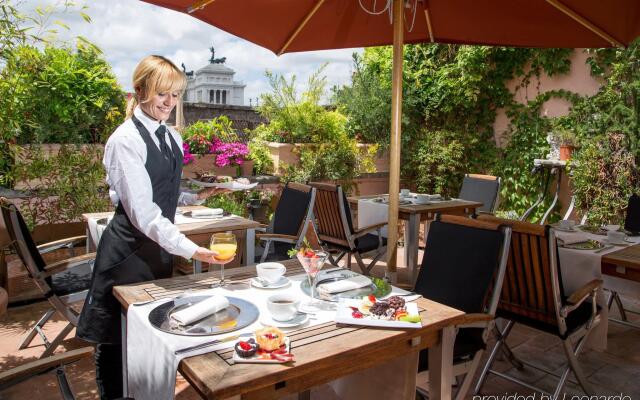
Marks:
<point>344,315</point>
<point>255,359</point>
<point>233,185</point>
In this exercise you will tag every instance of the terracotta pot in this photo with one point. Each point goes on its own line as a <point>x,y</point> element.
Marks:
<point>565,152</point>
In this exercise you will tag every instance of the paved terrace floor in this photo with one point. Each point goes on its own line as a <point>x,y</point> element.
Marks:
<point>612,372</point>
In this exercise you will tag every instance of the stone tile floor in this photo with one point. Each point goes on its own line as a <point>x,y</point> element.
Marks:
<point>614,371</point>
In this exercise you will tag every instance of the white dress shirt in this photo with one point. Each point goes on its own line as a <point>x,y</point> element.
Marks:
<point>125,155</point>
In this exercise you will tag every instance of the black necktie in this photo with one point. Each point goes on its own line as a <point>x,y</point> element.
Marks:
<point>166,152</point>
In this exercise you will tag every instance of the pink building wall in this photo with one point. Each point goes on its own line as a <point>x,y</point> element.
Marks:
<point>578,80</point>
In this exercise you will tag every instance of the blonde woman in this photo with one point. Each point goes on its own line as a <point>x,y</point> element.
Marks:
<point>143,160</point>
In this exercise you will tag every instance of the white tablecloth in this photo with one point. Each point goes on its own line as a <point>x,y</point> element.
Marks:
<point>579,267</point>
<point>372,213</point>
<point>151,363</point>
<point>95,229</point>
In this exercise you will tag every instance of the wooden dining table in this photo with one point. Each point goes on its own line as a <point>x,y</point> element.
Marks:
<point>323,353</point>
<point>200,233</point>
<point>415,214</point>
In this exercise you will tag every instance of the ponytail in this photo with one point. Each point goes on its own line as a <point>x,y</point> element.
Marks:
<point>131,105</point>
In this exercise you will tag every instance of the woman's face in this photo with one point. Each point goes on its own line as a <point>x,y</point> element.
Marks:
<point>160,106</point>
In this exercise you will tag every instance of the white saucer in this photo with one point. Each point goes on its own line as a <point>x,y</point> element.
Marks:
<point>299,319</point>
<point>282,282</point>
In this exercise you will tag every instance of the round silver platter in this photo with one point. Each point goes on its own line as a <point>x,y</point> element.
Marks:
<point>378,287</point>
<point>242,312</point>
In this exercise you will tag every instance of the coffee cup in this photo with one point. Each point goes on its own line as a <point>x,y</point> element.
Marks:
<point>567,224</point>
<point>405,193</point>
<point>270,271</point>
<point>616,237</point>
<point>283,307</point>
<point>612,227</point>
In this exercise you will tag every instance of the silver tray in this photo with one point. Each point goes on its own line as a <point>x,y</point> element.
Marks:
<point>242,312</point>
<point>378,287</point>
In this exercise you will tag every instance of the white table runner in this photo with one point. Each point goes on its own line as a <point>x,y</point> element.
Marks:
<point>372,213</point>
<point>151,363</point>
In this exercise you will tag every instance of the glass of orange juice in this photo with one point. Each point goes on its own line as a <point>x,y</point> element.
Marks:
<point>225,245</point>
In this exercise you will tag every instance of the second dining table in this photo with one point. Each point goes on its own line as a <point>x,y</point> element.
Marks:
<point>415,214</point>
<point>325,351</point>
<point>200,230</point>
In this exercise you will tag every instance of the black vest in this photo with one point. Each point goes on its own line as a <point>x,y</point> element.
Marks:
<point>126,255</point>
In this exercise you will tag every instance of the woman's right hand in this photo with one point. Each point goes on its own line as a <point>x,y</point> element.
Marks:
<point>208,256</point>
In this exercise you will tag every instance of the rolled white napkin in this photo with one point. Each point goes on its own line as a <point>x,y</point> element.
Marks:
<point>206,212</point>
<point>200,310</point>
<point>571,237</point>
<point>354,282</point>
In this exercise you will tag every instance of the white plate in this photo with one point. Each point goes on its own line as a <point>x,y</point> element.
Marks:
<point>282,282</point>
<point>226,185</point>
<point>299,319</point>
<point>189,214</point>
<point>343,316</point>
<point>254,360</point>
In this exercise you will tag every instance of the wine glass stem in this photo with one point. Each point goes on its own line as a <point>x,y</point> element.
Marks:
<point>312,283</point>
<point>221,274</point>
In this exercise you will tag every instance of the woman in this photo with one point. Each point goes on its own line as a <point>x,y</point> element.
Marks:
<point>143,160</point>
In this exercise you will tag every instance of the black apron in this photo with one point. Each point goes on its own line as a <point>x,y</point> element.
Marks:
<point>125,255</point>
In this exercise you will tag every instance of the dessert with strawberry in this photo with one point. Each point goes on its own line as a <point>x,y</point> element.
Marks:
<point>312,261</point>
<point>269,345</point>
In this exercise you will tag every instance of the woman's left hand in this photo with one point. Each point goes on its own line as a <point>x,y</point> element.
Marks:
<point>207,192</point>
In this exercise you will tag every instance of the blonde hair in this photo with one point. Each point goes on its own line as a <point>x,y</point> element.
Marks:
<point>153,75</point>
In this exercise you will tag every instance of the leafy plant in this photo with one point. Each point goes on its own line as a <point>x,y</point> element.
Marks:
<point>327,151</point>
<point>65,185</point>
<point>261,156</point>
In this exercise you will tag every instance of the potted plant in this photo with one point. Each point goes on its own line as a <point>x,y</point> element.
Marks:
<point>567,140</point>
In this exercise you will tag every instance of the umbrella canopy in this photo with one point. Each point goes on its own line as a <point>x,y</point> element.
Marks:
<point>284,26</point>
<point>301,25</point>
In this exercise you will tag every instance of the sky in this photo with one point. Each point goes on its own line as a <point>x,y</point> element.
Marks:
<point>128,30</point>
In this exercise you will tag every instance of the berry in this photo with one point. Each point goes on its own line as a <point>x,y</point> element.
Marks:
<point>244,345</point>
<point>357,314</point>
<point>372,298</point>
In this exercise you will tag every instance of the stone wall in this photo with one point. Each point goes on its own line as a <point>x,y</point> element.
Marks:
<point>243,117</point>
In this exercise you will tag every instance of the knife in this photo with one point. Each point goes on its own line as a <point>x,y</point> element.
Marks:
<point>206,344</point>
<point>210,343</point>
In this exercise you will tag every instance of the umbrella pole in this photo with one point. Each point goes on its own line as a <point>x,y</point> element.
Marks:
<point>396,131</point>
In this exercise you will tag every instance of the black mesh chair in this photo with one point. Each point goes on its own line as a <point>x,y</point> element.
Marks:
<point>62,283</point>
<point>482,188</point>
<point>290,221</point>
<point>463,267</point>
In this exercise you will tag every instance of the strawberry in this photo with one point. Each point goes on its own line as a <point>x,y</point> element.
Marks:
<point>244,345</point>
<point>372,298</point>
<point>309,254</point>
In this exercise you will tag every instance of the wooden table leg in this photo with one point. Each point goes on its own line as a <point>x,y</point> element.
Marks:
<point>441,365</point>
<point>250,247</point>
<point>411,234</point>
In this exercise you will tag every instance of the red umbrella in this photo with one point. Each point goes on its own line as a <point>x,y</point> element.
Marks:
<point>284,26</point>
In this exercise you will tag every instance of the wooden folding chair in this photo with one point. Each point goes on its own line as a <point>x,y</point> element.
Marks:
<point>334,227</point>
<point>532,295</point>
<point>62,283</point>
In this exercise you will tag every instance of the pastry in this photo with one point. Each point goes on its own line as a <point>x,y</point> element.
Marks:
<point>246,349</point>
<point>243,181</point>
<point>269,338</point>
<point>223,179</point>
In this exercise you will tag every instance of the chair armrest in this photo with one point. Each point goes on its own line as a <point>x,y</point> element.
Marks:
<point>277,237</point>
<point>361,232</point>
<point>66,264</point>
<point>580,295</point>
<point>58,244</point>
<point>43,365</point>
